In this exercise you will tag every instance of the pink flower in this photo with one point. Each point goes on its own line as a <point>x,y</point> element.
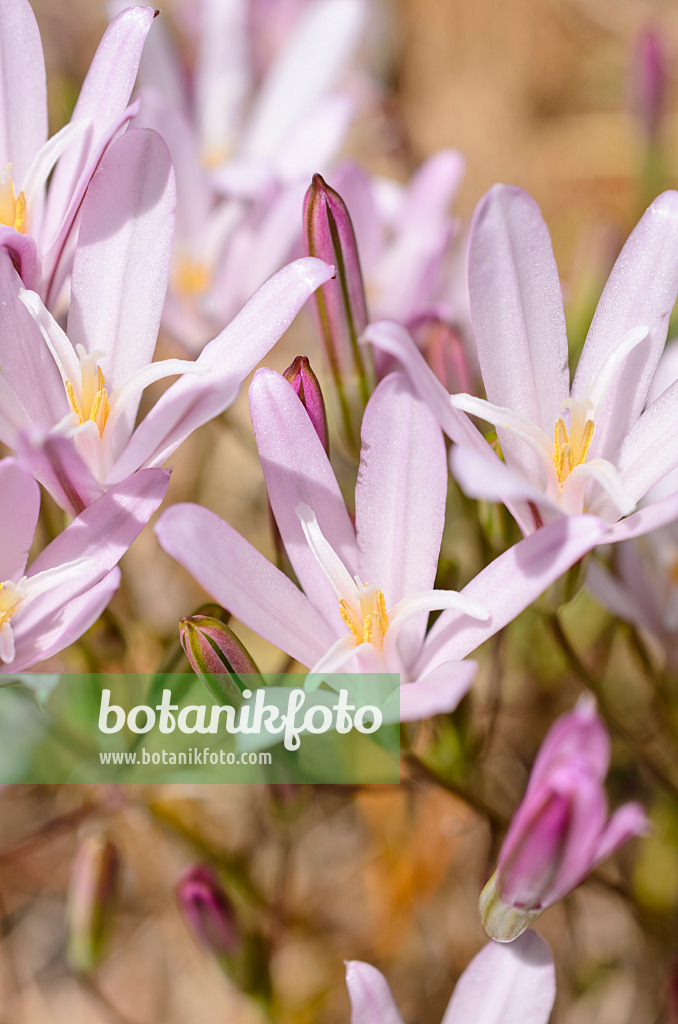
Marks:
<point>593,447</point>
<point>513,984</point>
<point>365,590</point>
<point>561,829</point>
<point>70,399</point>
<point>37,221</point>
<point>47,606</point>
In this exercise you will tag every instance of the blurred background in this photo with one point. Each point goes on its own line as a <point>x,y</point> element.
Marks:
<point>548,95</point>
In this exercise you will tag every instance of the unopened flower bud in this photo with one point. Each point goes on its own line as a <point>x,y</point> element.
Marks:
<point>341,305</point>
<point>305,383</point>
<point>207,910</point>
<point>216,655</point>
<point>649,79</point>
<point>92,896</point>
<point>560,831</point>
<point>445,353</point>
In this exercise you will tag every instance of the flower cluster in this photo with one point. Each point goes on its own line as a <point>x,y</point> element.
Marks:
<point>183,215</point>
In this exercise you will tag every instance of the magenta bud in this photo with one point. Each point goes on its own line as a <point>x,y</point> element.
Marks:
<point>561,829</point>
<point>91,901</point>
<point>305,383</point>
<point>341,304</point>
<point>649,80</point>
<point>207,910</point>
<point>216,655</point>
<point>444,350</point>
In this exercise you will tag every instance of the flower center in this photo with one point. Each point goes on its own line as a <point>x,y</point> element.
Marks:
<point>191,277</point>
<point>12,596</point>
<point>366,616</point>
<point>93,402</point>
<point>571,449</point>
<point>12,207</point>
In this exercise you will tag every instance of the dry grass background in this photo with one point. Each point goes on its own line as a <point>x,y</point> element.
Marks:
<point>534,93</point>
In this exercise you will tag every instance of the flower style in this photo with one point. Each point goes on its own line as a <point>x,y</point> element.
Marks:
<point>560,831</point>
<point>49,605</point>
<point>37,222</point>
<point>366,591</point>
<point>244,148</point>
<point>593,448</point>
<point>513,984</point>
<point>70,399</point>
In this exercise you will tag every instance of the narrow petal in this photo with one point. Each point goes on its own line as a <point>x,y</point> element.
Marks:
<point>122,261</point>
<point>243,581</point>
<point>401,491</point>
<point>394,339</point>
<point>371,998</point>
<point>23,92</point>
<point>517,311</point>
<point>19,508</point>
<point>627,821</point>
<point>54,461</point>
<point>634,295</point>
<point>506,983</point>
<point>24,254</point>
<point>297,472</point>
<point>507,421</point>
<point>650,450</point>
<point>491,479</point>
<point>607,478</point>
<point>223,76</point>
<point>659,514</point>
<point>226,360</point>
<point>27,364</point>
<point>437,693</point>
<point>65,626</point>
<point>306,68</point>
<point>102,101</point>
<point>509,584</point>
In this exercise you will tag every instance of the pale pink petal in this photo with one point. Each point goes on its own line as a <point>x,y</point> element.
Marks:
<point>316,139</point>
<point>491,479</point>
<point>308,66</point>
<point>401,491</point>
<point>19,508</point>
<point>506,983</point>
<point>517,312</point>
<point>102,101</point>
<point>650,450</point>
<point>27,364</point>
<point>431,190</point>
<point>635,295</point>
<point>627,821</point>
<point>644,521</point>
<point>438,692</point>
<point>297,471</point>
<point>226,361</point>
<point>24,253</point>
<point>54,461</point>
<point>64,626</point>
<point>510,583</point>
<point>223,77</point>
<point>122,261</point>
<point>243,581</point>
<point>371,999</point>
<point>23,92</point>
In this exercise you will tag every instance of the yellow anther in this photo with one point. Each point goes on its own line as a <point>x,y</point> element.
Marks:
<point>12,207</point>
<point>367,619</point>
<point>95,405</point>
<point>11,597</point>
<point>570,450</point>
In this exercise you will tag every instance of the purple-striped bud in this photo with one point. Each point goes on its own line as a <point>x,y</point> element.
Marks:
<point>207,910</point>
<point>341,304</point>
<point>561,829</point>
<point>649,81</point>
<point>91,902</point>
<point>305,383</point>
<point>216,655</point>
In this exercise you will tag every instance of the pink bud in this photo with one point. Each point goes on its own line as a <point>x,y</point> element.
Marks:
<point>305,383</point>
<point>207,910</point>
<point>561,829</point>
<point>216,655</point>
<point>340,303</point>
<point>649,80</point>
